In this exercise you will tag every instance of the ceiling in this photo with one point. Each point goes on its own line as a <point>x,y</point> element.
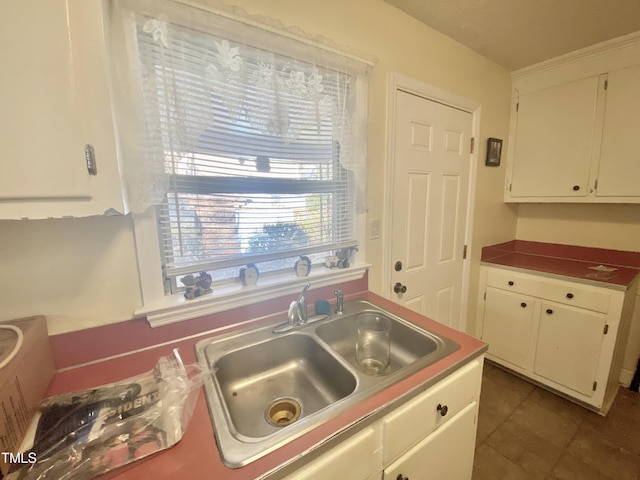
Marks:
<point>519,33</point>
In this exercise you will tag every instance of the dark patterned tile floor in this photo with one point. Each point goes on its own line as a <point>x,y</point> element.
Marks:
<point>528,433</point>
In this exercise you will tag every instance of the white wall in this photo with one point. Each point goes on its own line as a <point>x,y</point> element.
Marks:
<point>406,46</point>
<point>82,272</point>
<point>78,272</point>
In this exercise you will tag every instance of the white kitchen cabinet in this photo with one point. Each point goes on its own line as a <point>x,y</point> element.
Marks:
<point>573,336</point>
<point>446,454</point>
<point>568,346</point>
<point>552,143</point>
<point>509,326</point>
<point>414,421</point>
<point>55,101</point>
<point>357,458</point>
<point>619,166</point>
<point>575,128</point>
<point>438,426</point>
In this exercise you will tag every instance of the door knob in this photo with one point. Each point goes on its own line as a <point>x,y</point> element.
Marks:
<point>398,266</point>
<point>399,288</point>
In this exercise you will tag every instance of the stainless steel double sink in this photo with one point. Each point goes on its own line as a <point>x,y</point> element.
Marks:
<point>267,389</point>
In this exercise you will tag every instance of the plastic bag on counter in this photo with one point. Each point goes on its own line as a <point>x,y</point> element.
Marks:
<point>84,434</point>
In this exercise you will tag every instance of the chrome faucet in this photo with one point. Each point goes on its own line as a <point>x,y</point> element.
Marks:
<point>298,309</point>
<point>339,302</point>
<point>297,315</point>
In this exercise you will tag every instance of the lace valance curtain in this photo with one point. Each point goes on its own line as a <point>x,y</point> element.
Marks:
<point>181,72</point>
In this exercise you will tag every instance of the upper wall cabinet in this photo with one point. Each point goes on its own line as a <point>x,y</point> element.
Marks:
<point>575,129</point>
<point>58,153</point>
<point>553,140</point>
<point>619,166</point>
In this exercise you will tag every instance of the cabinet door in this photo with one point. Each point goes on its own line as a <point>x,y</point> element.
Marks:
<point>568,349</point>
<point>446,454</point>
<point>508,326</point>
<point>552,142</point>
<point>619,168</point>
<point>42,150</point>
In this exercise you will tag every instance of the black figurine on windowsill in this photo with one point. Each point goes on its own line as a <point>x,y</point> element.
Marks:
<point>196,286</point>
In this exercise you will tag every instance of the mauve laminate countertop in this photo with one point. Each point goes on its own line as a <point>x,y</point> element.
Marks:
<point>569,261</point>
<point>196,456</point>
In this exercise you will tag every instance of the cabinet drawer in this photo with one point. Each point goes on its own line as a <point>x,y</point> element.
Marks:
<point>569,293</point>
<point>446,454</point>
<point>413,421</point>
<point>359,456</point>
<point>514,281</point>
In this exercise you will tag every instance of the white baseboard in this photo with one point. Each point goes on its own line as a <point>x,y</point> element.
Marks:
<point>626,376</point>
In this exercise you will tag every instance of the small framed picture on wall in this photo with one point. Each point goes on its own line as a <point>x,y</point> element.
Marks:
<point>494,152</point>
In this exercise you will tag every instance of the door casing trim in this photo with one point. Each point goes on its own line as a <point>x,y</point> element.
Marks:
<point>398,82</point>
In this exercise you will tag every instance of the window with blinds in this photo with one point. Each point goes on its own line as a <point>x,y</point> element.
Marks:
<point>252,145</point>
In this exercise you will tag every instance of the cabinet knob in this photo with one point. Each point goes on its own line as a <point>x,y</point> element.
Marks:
<point>569,295</point>
<point>549,311</point>
<point>523,305</point>
<point>511,284</point>
<point>443,409</point>
<point>576,188</point>
<point>402,477</point>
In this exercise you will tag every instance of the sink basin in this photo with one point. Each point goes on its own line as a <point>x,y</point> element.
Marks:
<point>275,383</point>
<point>407,344</point>
<point>267,389</point>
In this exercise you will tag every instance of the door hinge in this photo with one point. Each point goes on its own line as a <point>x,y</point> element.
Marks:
<point>595,184</point>
<point>518,107</point>
<point>606,329</point>
<point>509,187</point>
<point>473,144</point>
<point>595,385</point>
<point>464,252</point>
<point>606,84</point>
<point>485,295</point>
<point>90,159</point>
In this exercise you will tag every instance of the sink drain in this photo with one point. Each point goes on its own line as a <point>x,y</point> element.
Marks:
<point>282,412</point>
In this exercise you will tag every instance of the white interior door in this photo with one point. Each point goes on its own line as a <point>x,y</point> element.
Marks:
<point>431,163</point>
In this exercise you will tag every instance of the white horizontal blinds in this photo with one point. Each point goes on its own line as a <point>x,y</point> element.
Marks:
<point>251,143</point>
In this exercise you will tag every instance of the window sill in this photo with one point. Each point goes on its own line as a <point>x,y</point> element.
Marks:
<point>175,308</point>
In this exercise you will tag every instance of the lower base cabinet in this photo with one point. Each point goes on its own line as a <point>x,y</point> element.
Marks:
<point>431,436</point>
<point>356,458</point>
<point>567,335</point>
<point>446,454</point>
<point>569,344</point>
